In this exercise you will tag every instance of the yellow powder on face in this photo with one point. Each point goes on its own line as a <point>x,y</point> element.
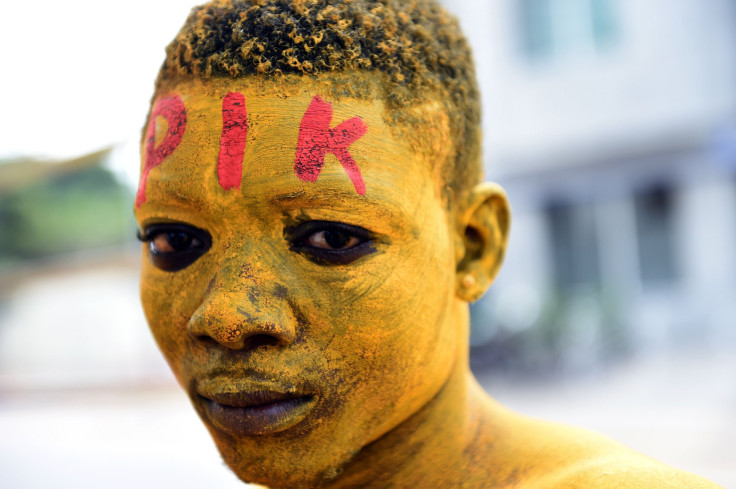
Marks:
<point>365,334</point>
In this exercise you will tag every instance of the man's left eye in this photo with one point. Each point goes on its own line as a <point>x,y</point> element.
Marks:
<point>332,239</point>
<point>330,243</point>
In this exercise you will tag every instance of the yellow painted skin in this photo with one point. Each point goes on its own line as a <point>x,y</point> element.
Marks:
<point>381,343</point>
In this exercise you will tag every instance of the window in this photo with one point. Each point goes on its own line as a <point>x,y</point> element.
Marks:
<point>574,245</point>
<point>536,28</point>
<point>655,235</point>
<point>559,28</point>
<point>605,30</point>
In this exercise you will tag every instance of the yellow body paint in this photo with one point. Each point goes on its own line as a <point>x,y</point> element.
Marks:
<point>322,332</point>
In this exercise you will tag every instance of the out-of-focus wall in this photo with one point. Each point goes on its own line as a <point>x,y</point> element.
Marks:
<point>559,78</point>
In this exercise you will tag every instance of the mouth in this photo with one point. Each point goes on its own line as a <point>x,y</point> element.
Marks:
<point>255,413</point>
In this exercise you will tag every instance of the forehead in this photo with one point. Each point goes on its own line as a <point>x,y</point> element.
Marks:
<point>296,142</point>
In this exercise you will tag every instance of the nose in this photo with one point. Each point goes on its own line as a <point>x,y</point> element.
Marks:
<point>244,316</point>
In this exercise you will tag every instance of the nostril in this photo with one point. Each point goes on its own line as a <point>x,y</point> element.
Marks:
<point>254,341</point>
<point>218,328</point>
<point>205,339</point>
<point>248,343</point>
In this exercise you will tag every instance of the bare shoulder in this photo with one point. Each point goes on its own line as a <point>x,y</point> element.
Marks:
<point>621,471</point>
<point>552,456</point>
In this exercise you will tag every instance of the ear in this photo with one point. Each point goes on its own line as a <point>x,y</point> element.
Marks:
<point>482,232</point>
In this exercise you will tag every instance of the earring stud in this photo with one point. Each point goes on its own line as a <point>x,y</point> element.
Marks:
<point>469,281</point>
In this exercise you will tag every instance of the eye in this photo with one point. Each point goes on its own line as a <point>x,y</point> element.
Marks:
<point>332,239</point>
<point>173,247</point>
<point>330,243</point>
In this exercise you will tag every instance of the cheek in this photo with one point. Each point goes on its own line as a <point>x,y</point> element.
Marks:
<point>409,339</point>
<point>398,342</point>
<point>169,300</point>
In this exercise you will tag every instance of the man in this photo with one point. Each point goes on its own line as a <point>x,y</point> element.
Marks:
<point>314,231</point>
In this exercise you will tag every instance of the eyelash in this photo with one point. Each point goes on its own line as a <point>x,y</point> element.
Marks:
<point>297,236</point>
<point>174,261</point>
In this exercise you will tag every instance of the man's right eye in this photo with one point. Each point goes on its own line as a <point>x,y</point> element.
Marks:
<point>173,247</point>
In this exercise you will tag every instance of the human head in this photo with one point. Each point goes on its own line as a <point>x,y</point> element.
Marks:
<point>340,301</point>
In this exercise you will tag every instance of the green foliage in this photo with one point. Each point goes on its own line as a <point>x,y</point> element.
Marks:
<point>76,210</point>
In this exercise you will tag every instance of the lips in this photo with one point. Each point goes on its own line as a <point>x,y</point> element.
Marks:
<point>258,412</point>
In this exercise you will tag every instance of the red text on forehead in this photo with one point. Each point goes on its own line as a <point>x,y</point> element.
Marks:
<point>316,139</point>
<point>232,141</point>
<point>172,109</point>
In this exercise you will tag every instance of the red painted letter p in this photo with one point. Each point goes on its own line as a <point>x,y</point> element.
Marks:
<point>172,109</point>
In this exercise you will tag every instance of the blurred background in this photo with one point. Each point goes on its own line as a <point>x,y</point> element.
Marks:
<point>612,125</point>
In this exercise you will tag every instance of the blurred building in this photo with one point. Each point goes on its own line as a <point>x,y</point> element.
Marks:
<point>612,125</point>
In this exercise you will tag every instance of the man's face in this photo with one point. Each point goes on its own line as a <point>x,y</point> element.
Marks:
<point>306,308</point>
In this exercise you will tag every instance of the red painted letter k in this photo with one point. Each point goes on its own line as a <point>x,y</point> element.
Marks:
<point>316,139</point>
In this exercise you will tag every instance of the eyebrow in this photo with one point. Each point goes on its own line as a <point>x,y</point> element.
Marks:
<point>340,200</point>
<point>174,198</point>
<point>183,198</point>
<point>326,198</point>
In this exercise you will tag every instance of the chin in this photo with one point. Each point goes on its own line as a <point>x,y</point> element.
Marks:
<point>282,460</point>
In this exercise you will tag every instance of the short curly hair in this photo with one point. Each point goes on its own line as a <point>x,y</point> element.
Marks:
<point>415,43</point>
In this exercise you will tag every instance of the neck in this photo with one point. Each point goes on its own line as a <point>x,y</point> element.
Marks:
<point>438,446</point>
